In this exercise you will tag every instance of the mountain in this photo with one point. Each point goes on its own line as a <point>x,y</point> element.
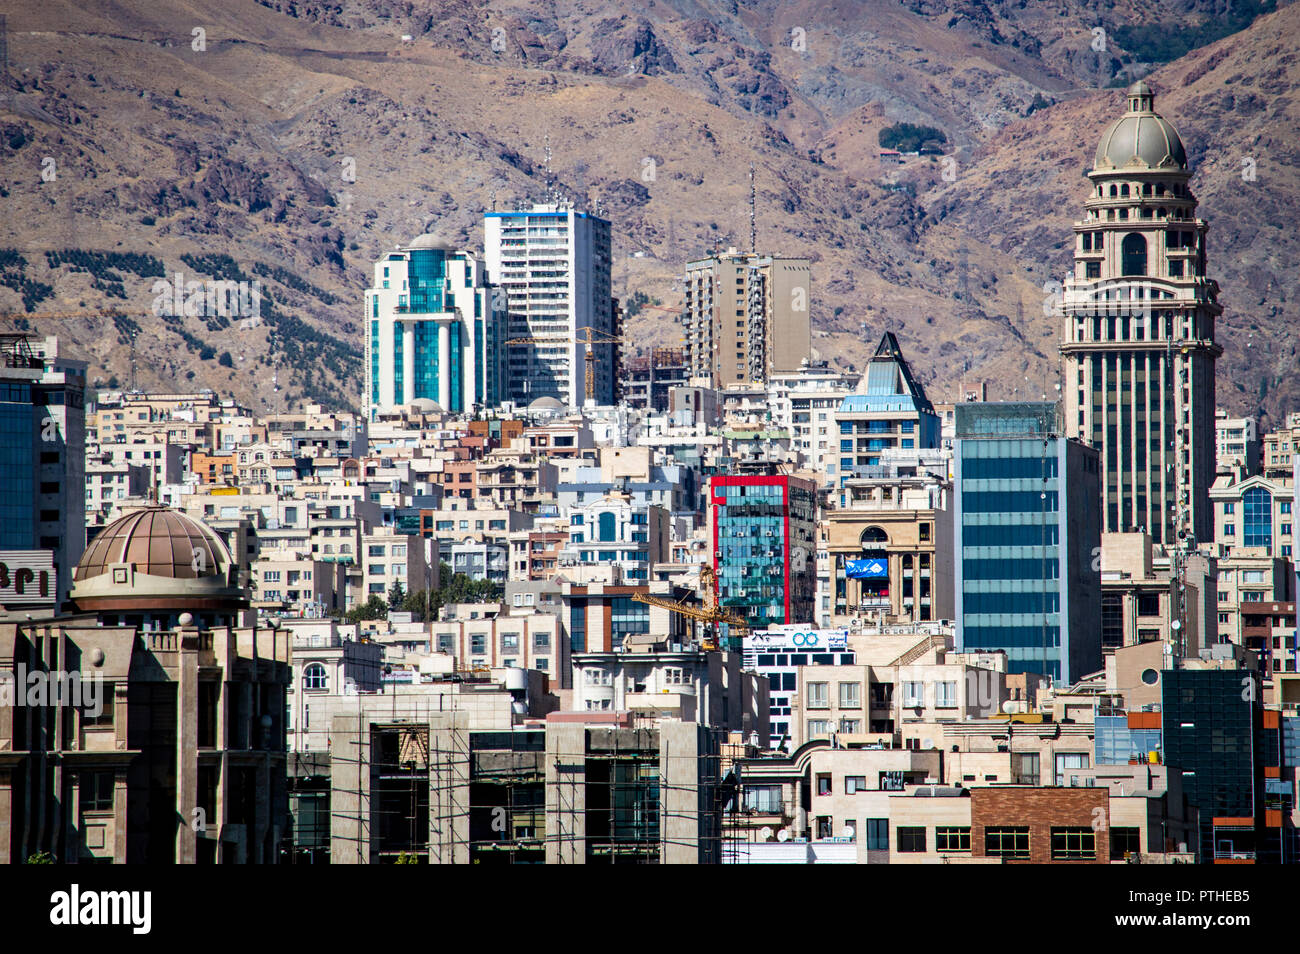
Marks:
<point>132,147</point>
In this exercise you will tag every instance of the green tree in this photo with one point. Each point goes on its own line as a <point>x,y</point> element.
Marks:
<point>373,608</point>
<point>396,595</point>
<point>40,858</point>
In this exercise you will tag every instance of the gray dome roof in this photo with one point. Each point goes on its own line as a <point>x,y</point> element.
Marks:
<point>429,240</point>
<point>1140,139</point>
<point>426,406</point>
<point>546,403</point>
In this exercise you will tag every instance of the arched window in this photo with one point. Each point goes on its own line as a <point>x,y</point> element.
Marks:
<point>315,677</point>
<point>1123,190</point>
<point>1146,188</point>
<point>874,540</point>
<point>608,529</point>
<point>1134,254</point>
<point>1257,521</point>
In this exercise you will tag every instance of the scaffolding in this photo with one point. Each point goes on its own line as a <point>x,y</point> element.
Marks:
<point>416,785</point>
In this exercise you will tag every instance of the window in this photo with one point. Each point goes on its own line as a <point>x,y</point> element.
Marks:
<point>477,644</point>
<point>1069,760</point>
<point>510,642</point>
<point>850,726</point>
<point>1257,518</point>
<point>1008,843</point>
<point>541,640</point>
<point>1073,844</point>
<point>850,695</point>
<point>877,834</point>
<point>824,784</point>
<point>675,677</point>
<point>911,838</point>
<point>818,727</point>
<point>315,677</point>
<point>763,799</point>
<point>596,677</point>
<point>952,839</point>
<point>1124,841</point>
<point>913,694</point>
<point>91,719</point>
<point>854,784</point>
<point>97,791</point>
<point>1024,768</point>
<point>945,696</point>
<point>818,695</point>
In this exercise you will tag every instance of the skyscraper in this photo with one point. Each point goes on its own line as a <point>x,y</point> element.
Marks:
<point>1138,317</point>
<point>553,264</point>
<point>1027,540</point>
<point>435,330</point>
<point>747,316</point>
<point>42,452</point>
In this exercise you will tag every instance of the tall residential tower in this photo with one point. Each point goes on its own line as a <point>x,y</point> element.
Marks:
<point>747,316</point>
<point>553,264</point>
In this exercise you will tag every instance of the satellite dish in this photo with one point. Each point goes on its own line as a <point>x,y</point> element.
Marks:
<point>846,831</point>
<point>1009,706</point>
<point>783,835</point>
<point>1176,625</point>
<point>765,834</point>
<point>927,743</point>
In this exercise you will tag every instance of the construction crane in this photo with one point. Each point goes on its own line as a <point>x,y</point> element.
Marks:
<point>709,612</point>
<point>588,340</point>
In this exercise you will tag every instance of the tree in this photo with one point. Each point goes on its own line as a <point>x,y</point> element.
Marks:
<point>40,858</point>
<point>396,595</point>
<point>373,608</point>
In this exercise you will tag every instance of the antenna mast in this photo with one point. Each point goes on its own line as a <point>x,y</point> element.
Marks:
<point>753,220</point>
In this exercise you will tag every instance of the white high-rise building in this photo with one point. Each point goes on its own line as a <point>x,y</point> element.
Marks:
<point>434,330</point>
<point>553,264</point>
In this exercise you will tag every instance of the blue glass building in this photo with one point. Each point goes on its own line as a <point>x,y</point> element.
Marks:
<point>1027,534</point>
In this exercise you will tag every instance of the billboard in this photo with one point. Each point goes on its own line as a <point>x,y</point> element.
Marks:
<point>870,569</point>
<point>27,578</point>
<point>795,638</point>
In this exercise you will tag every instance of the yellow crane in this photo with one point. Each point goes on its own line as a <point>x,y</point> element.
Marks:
<point>710,611</point>
<point>584,336</point>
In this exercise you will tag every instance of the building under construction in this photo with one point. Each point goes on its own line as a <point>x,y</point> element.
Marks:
<point>434,790</point>
<point>647,378</point>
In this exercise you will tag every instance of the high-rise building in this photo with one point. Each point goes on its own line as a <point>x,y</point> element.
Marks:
<point>889,412</point>
<point>435,330</point>
<point>1138,317</point>
<point>553,264</point>
<point>42,452</point>
<point>747,316</point>
<point>1027,538</point>
<point>764,546</point>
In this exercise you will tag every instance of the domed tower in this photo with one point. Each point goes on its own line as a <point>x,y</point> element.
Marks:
<point>151,565</point>
<point>1138,331</point>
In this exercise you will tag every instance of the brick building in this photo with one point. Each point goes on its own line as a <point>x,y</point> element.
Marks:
<point>1040,825</point>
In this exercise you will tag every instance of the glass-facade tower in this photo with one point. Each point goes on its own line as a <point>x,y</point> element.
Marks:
<point>764,547</point>
<point>1026,527</point>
